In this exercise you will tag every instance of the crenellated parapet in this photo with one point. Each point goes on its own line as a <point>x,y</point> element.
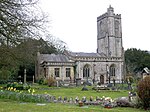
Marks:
<point>106,15</point>
<point>118,16</point>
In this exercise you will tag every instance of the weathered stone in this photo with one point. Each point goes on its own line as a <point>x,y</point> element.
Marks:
<point>103,66</point>
<point>84,88</point>
<point>84,99</point>
<point>77,99</point>
<point>91,98</point>
<point>123,102</point>
<point>59,98</point>
<point>65,99</point>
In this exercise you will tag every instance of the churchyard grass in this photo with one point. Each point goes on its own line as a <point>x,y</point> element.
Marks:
<point>17,106</point>
<point>76,91</point>
<point>13,106</point>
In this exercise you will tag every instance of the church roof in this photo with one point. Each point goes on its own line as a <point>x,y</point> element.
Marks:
<point>83,54</point>
<point>67,58</point>
<point>54,58</point>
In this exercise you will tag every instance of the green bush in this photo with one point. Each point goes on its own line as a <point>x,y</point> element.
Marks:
<point>18,86</point>
<point>51,81</point>
<point>41,81</point>
<point>3,81</point>
<point>19,96</point>
<point>4,74</point>
<point>143,91</point>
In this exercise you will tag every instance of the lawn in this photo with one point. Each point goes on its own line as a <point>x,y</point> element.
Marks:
<point>73,92</point>
<point>19,106</point>
<point>13,106</point>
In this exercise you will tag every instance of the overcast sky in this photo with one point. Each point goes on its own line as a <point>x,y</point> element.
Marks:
<point>75,22</point>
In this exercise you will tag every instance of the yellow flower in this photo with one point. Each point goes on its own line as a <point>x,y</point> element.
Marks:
<point>8,88</point>
<point>103,97</point>
<point>33,90</point>
<point>14,89</point>
<point>29,90</point>
<point>11,88</point>
<point>1,87</point>
<point>108,98</point>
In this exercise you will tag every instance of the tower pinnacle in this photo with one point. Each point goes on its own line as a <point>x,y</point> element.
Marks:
<point>110,10</point>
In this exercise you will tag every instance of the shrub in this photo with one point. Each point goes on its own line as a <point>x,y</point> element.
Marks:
<point>51,81</point>
<point>4,74</point>
<point>20,96</point>
<point>41,81</point>
<point>3,81</point>
<point>18,86</point>
<point>129,79</point>
<point>143,91</point>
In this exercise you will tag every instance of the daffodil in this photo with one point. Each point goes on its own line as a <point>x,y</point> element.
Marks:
<point>103,97</point>
<point>1,87</point>
<point>29,90</point>
<point>108,98</point>
<point>11,88</point>
<point>8,88</point>
<point>14,89</point>
<point>33,90</point>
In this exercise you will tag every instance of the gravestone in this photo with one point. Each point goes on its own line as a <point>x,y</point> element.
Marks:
<point>78,81</point>
<point>25,75</point>
<point>84,87</point>
<point>97,98</point>
<point>59,98</point>
<point>77,99</point>
<point>65,99</point>
<point>129,86</point>
<point>131,96</point>
<point>91,98</point>
<point>84,99</point>
<point>53,99</point>
<point>123,102</point>
<point>70,100</point>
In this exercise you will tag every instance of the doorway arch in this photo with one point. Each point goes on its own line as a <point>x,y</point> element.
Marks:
<point>102,79</point>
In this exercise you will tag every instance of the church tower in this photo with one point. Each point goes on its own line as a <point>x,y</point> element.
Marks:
<point>109,34</point>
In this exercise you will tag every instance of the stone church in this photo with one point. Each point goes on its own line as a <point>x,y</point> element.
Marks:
<point>104,66</point>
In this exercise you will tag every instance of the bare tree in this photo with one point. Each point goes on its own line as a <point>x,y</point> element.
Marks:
<point>58,44</point>
<point>20,19</point>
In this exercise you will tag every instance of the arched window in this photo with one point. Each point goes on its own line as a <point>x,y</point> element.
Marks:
<point>112,70</point>
<point>86,71</point>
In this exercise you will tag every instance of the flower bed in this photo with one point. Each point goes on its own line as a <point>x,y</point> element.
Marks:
<point>26,97</point>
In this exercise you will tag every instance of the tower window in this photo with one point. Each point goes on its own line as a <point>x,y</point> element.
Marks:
<point>117,28</point>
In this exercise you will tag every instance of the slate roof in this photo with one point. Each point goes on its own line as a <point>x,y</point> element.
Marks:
<point>54,58</point>
<point>65,58</point>
<point>82,54</point>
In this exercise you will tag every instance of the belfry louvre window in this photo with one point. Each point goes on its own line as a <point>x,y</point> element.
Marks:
<point>68,72</point>
<point>57,72</point>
